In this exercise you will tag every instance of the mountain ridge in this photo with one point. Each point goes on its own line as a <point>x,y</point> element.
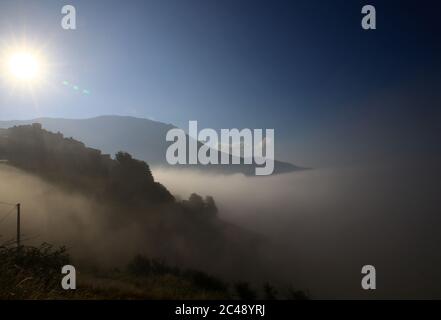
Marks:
<point>141,137</point>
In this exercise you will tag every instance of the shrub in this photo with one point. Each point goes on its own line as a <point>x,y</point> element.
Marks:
<point>30,272</point>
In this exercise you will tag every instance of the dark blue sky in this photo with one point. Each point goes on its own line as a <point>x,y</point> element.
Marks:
<point>304,68</point>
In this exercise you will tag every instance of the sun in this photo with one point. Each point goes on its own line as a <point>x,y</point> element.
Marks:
<point>24,66</point>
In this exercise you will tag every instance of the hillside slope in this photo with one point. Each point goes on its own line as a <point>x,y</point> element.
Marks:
<point>129,209</point>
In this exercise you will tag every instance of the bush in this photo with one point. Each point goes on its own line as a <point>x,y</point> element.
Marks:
<point>142,266</point>
<point>205,281</point>
<point>31,272</point>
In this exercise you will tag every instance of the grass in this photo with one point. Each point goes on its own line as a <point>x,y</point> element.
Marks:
<point>34,273</point>
<point>31,272</point>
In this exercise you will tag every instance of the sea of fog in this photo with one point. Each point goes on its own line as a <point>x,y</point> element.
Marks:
<point>323,225</point>
<point>320,226</point>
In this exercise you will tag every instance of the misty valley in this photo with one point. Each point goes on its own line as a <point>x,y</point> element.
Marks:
<point>135,231</point>
<point>112,213</point>
<point>205,151</point>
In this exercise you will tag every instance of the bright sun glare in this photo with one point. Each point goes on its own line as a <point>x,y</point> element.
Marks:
<point>24,66</point>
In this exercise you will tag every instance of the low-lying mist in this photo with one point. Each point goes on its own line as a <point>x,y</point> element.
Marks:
<point>323,225</point>
<point>51,214</point>
<point>320,226</point>
<point>103,234</point>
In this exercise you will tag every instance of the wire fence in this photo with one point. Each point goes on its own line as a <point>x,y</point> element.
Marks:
<point>11,237</point>
<point>5,216</point>
<point>7,203</point>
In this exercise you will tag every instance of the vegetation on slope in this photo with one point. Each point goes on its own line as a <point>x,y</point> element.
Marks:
<point>34,273</point>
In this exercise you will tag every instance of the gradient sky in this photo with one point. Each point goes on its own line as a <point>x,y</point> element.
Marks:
<point>334,93</point>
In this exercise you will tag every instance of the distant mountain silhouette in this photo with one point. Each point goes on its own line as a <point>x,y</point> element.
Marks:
<point>142,138</point>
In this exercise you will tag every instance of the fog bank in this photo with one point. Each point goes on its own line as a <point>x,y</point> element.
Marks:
<point>323,225</point>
